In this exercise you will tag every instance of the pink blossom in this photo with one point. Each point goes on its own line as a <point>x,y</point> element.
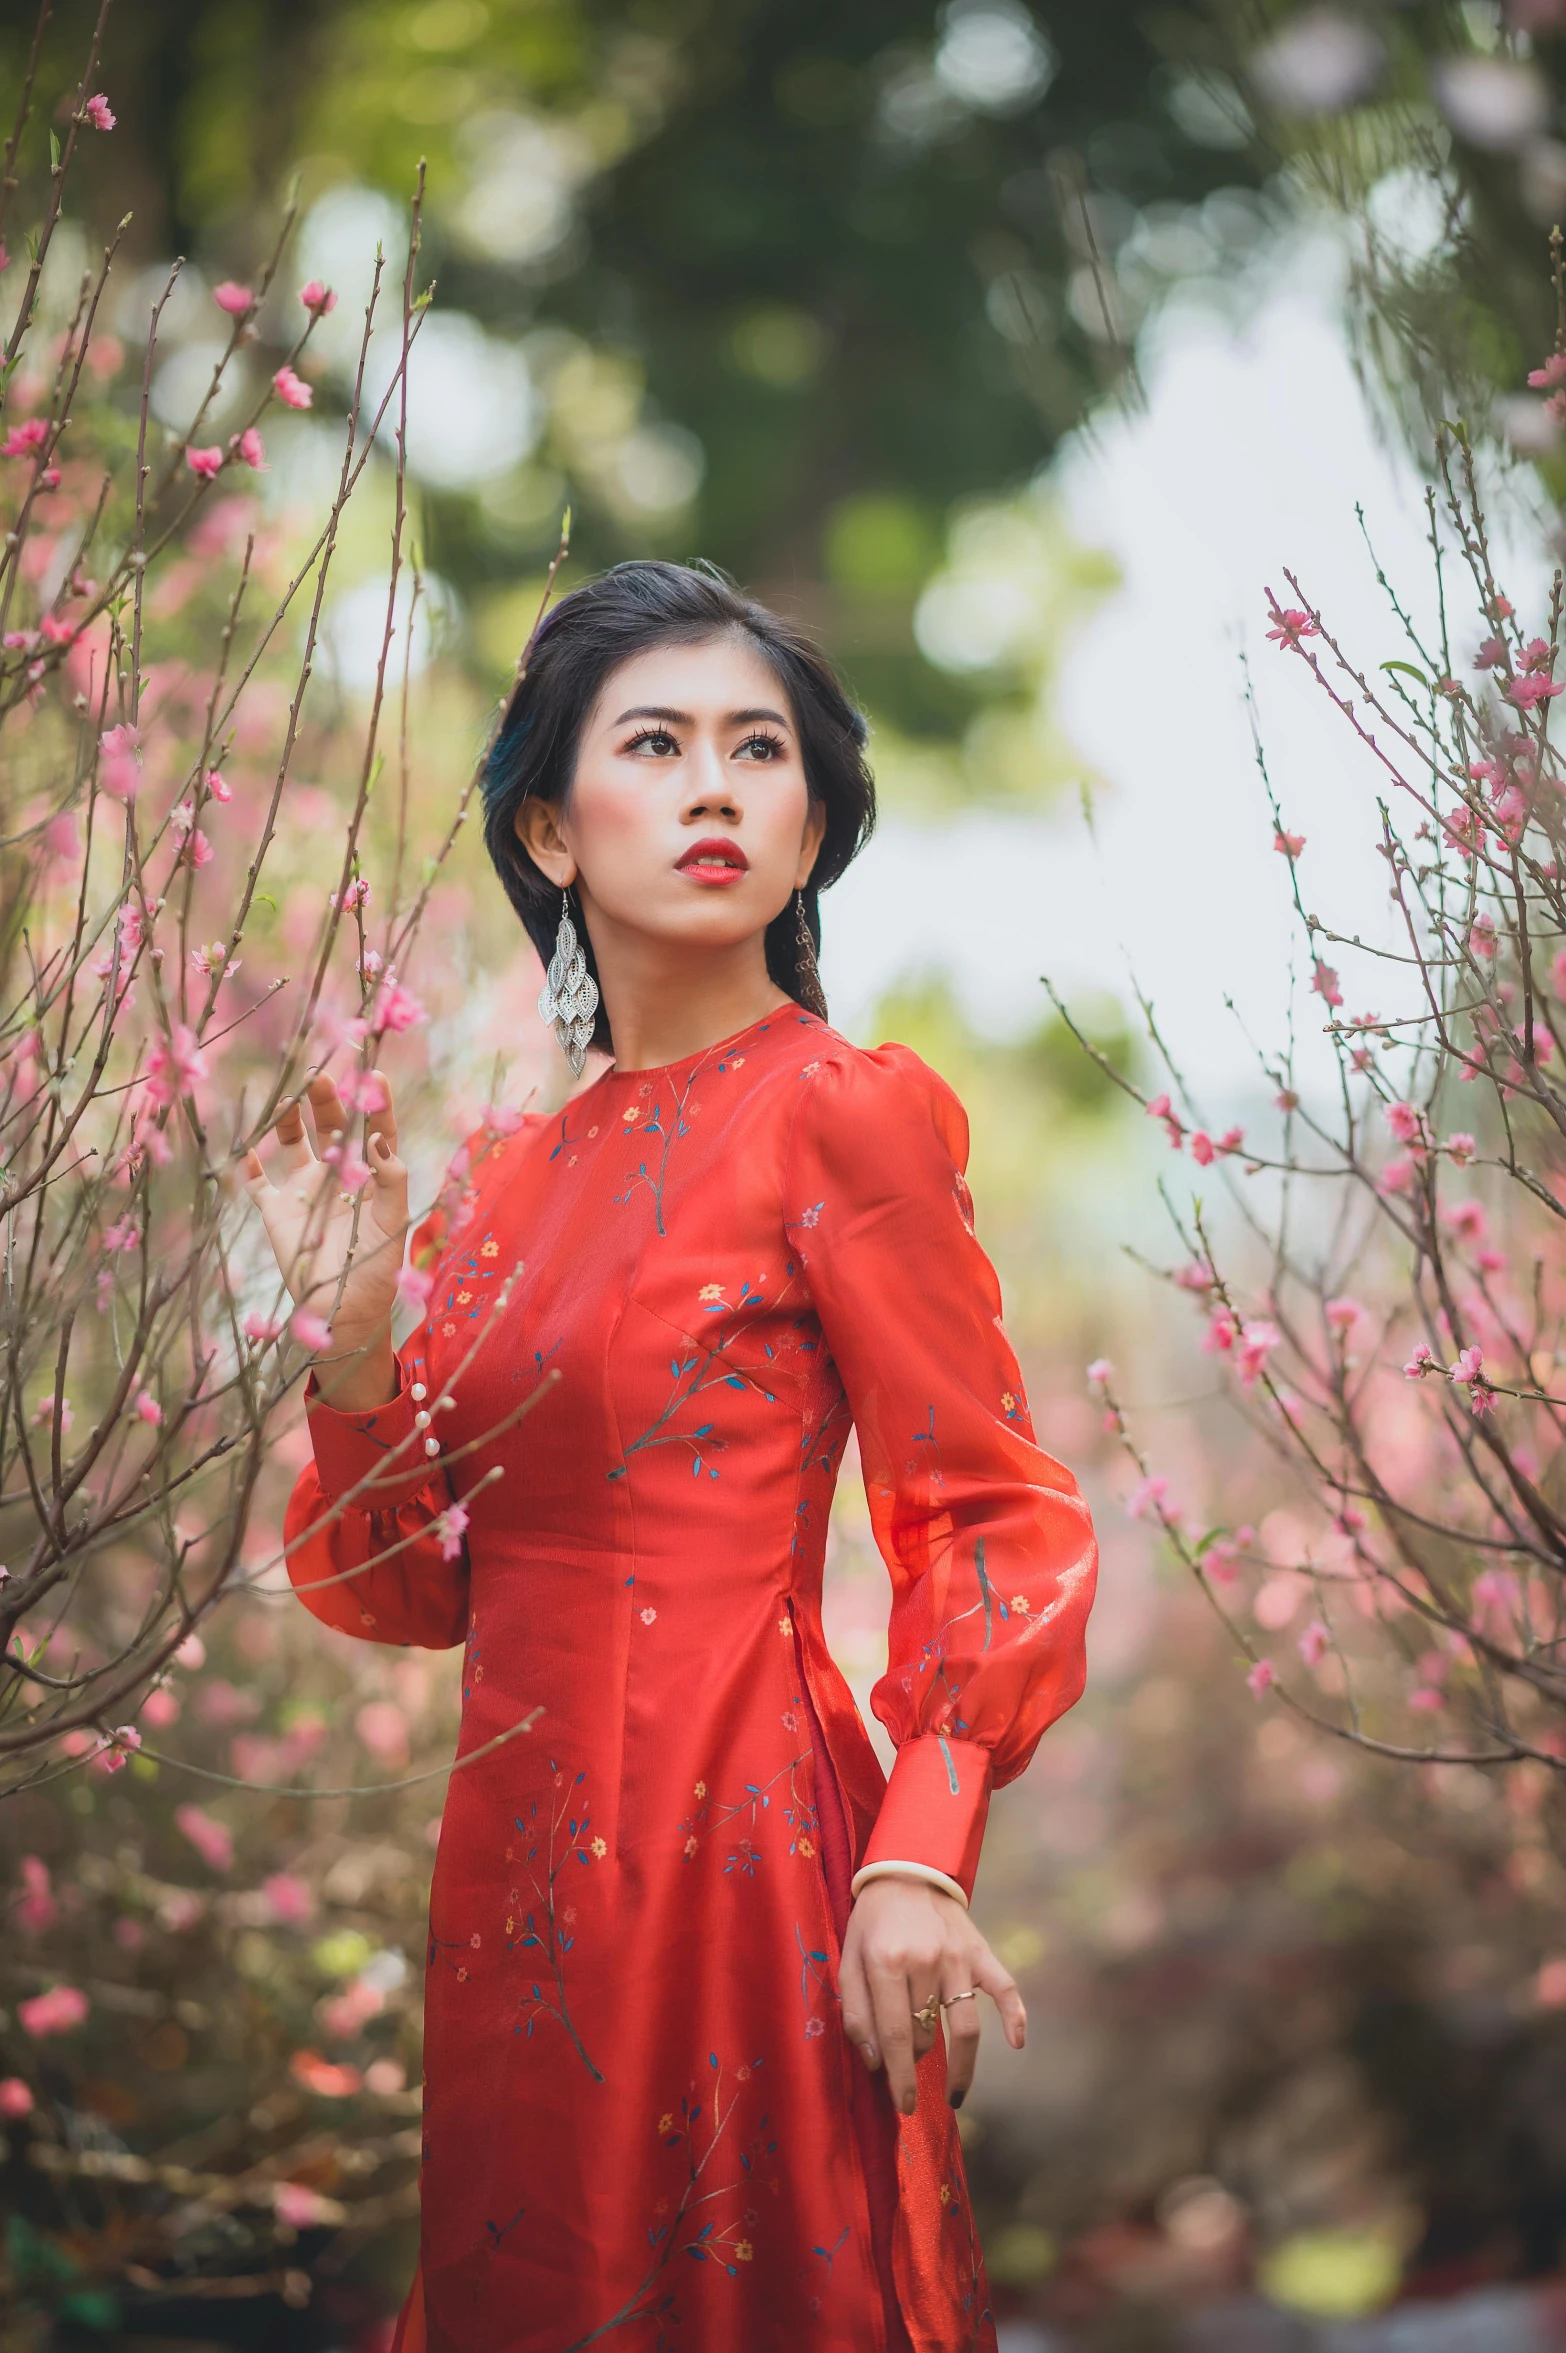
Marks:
<point>1193,1277</point>
<point>1160,1107</point>
<point>234,298</point>
<point>1219,1559</point>
<point>175,1066</point>
<point>1481,936</point>
<point>1491,655</point>
<point>1407,1124</point>
<point>1291,625</point>
<point>1530,689</point>
<point>1350,1521</point>
<point>44,1412</point>
<point>1288,845</point>
<point>1552,372</point>
<point>350,2011</point>
<point>1469,1220</point>
<point>396,1008</point>
<point>218,786</point>
<point>1315,1643</point>
<point>212,1840</point>
<point>1261,1678</point>
<point>449,1528</point>
<point>160,1709</point>
<point>1420,1363</point>
<point>192,1653</point>
<point>318,300</point>
<point>1426,1702</point>
<point>1397,1176</point>
<point>291,389</point>
<point>1231,1140</point>
<point>147,1408</point>
<point>16,2098</point>
<point>1146,1500</point>
<point>1536,654</point>
<point>384,1730</point>
<point>290,1900</point>
<point>205,462</point>
<point>58,2011</point>
<point>414,1286</point>
<point>1100,1372</point>
<point>260,1328</point>
<point>249,448</point>
<point>357,894</point>
<point>1203,1150</point>
<point>123,1743</point>
<point>120,775</point>
<point>97,112</point>
<point>36,1908</point>
<point>309,1330</point>
<point>364,1090</point>
<point>1257,1341</point>
<point>23,439</point>
<point>1221,1333</point>
<point>1343,1314</point>
<point>1325,983</point>
<point>1460,1147</point>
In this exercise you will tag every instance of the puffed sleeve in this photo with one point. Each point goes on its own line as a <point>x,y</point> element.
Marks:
<point>388,1565</point>
<point>986,1537</point>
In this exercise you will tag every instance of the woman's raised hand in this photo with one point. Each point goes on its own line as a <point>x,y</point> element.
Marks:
<point>908,1944</point>
<point>308,1213</point>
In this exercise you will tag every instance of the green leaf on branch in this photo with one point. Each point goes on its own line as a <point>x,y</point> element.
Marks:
<point>1409,671</point>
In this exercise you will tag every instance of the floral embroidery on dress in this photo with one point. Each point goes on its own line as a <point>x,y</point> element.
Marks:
<point>544,1925</point>
<point>714,1815</point>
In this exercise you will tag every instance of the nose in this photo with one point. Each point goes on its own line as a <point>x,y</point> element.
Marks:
<point>713,790</point>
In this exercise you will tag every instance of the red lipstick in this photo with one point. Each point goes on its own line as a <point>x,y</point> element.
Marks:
<point>715,860</point>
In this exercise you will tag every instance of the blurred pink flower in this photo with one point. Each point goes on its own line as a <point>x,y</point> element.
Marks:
<point>23,439</point>
<point>318,300</point>
<point>1426,1702</point>
<point>1261,1678</point>
<point>55,2012</point>
<point>414,1286</point>
<point>318,2075</point>
<point>123,1744</point>
<point>309,1330</point>
<point>1203,1150</point>
<point>1397,1176</point>
<point>1291,625</point>
<point>1325,983</point>
<point>212,1840</point>
<point>396,1008</point>
<point>176,1066</point>
<point>260,1327</point>
<point>1257,1341</point>
<point>218,785</point>
<point>16,2098</point>
<point>1552,372</point>
<point>1531,688</point>
<point>1147,1499</point>
<point>1344,1314</point>
<point>191,1653</point>
<point>290,1899</point>
<point>1481,935</point>
<point>298,2207</point>
<point>1420,1363</point>
<point>250,449</point>
<point>383,1727</point>
<point>1468,1220</point>
<point>1222,1331</point>
<point>206,462</point>
<point>1100,1372</point>
<point>1406,1123</point>
<point>98,113</point>
<point>160,1709</point>
<point>147,1408</point>
<point>1315,1643</point>
<point>1288,845</point>
<point>233,298</point>
<point>349,2012</point>
<point>1461,1148</point>
<point>291,389</point>
<point>36,1908</point>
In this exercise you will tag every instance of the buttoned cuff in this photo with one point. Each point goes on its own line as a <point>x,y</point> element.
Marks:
<point>385,1447</point>
<point>935,1807</point>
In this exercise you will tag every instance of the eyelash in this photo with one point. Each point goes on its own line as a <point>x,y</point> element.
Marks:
<point>661,735</point>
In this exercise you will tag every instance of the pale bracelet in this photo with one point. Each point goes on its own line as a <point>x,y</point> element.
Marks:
<point>925,1871</point>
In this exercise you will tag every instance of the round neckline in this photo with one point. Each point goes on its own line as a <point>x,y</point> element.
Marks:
<point>719,1046</point>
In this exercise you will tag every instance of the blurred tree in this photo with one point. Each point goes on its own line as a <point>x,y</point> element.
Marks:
<point>790,279</point>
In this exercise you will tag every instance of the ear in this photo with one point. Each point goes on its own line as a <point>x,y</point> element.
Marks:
<point>810,843</point>
<point>537,827</point>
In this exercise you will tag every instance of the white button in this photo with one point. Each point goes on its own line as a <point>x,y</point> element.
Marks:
<point>432,1446</point>
<point>418,1392</point>
<point>421,1421</point>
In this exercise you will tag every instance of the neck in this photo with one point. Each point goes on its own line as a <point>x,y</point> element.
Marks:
<point>666,999</point>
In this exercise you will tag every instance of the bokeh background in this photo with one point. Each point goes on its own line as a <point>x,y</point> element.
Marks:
<point>1016,348</point>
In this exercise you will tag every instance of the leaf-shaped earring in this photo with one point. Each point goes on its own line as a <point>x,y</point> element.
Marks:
<point>568,999</point>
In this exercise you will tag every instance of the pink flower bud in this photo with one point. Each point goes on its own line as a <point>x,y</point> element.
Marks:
<point>318,300</point>
<point>204,462</point>
<point>97,112</point>
<point>291,389</point>
<point>234,298</point>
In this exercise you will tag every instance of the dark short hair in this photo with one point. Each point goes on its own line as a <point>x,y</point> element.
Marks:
<point>586,636</point>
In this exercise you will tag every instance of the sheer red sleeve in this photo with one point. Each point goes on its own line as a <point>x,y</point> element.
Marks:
<point>987,1538</point>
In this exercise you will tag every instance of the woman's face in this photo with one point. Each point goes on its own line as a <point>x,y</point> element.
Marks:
<point>688,816</point>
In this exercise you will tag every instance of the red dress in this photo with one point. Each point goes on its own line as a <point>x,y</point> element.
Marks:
<point>644,2127</point>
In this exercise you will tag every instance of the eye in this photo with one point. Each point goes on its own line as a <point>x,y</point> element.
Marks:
<point>657,741</point>
<point>761,746</point>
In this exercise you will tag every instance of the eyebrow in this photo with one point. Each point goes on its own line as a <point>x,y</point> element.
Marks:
<point>685,718</point>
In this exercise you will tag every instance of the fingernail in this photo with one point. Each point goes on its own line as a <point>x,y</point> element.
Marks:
<point>910,2102</point>
<point>956,2098</point>
<point>869,2052</point>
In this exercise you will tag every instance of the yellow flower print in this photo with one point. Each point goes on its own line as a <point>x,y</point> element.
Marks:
<point>448,1331</point>
<point>630,1114</point>
<point>475,1940</point>
<point>736,1062</point>
<point>805,1847</point>
<point>701,1789</point>
<point>710,1291</point>
<point>666,2121</point>
<point>462,1977</point>
<point>743,2074</point>
<point>1021,1604</point>
<point>511,1924</point>
<point>463,1298</point>
<point>785,1624</point>
<point>1007,1401</point>
<point>489,1248</point>
<point>810,1070</point>
<point>600,1848</point>
<point>690,1846</point>
<point>592,1131</point>
<point>743,2250</point>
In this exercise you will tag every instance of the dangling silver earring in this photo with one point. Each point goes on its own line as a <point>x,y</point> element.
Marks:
<point>807,946</point>
<point>568,999</point>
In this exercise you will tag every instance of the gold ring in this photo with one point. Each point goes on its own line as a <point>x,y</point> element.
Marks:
<point>969,1996</point>
<point>929,2014</point>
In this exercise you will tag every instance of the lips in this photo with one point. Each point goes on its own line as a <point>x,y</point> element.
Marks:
<point>714,859</point>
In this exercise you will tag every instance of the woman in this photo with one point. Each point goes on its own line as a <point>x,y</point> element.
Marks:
<point>688,1948</point>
